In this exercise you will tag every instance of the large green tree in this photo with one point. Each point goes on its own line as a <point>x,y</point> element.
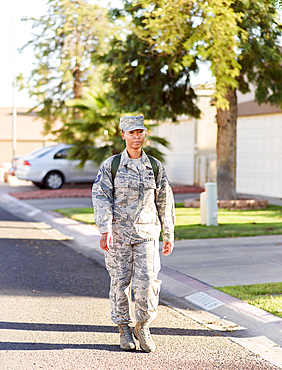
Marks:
<point>146,79</point>
<point>64,39</point>
<point>240,39</point>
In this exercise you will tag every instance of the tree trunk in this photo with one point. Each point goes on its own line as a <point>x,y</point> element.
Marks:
<point>226,149</point>
<point>77,85</point>
<point>77,89</point>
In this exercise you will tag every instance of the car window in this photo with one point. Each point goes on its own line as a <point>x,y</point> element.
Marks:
<point>62,154</point>
<point>40,151</point>
<point>44,153</point>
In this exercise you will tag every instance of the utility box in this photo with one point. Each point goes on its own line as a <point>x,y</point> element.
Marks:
<point>211,203</point>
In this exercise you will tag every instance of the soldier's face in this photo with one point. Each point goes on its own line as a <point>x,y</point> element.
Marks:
<point>134,139</point>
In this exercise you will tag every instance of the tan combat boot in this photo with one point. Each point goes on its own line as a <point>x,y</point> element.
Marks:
<point>126,339</point>
<point>142,333</point>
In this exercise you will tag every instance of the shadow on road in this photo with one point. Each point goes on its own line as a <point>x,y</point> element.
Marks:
<point>18,346</point>
<point>58,327</point>
<point>98,329</point>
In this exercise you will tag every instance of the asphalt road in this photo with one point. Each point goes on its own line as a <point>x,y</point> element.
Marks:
<point>55,314</point>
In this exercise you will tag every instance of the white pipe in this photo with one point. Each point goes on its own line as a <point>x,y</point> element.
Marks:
<point>14,92</point>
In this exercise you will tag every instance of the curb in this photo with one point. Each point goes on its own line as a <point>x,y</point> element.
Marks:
<point>249,326</point>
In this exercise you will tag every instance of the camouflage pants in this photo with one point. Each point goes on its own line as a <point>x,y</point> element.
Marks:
<point>136,266</point>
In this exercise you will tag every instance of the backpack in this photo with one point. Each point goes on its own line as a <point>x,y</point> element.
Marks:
<point>116,162</point>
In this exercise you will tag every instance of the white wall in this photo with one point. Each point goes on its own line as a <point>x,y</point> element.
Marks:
<point>259,155</point>
<point>179,160</point>
<point>192,156</point>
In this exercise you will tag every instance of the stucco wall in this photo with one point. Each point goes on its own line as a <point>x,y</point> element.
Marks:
<point>179,159</point>
<point>29,133</point>
<point>206,136</point>
<point>192,156</point>
<point>206,127</point>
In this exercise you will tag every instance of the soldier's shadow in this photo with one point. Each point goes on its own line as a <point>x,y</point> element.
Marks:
<point>19,326</point>
<point>39,327</point>
<point>25,346</point>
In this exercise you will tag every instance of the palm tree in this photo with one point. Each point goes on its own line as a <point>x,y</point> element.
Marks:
<point>96,134</point>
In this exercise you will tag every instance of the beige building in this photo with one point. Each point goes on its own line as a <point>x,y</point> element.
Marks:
<point>29,133</point>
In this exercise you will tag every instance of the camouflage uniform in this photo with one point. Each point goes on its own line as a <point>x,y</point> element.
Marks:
<point>134,211</point>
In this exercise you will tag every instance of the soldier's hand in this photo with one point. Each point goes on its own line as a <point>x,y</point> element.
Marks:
<point>167,248</point>
<point>106,241</point>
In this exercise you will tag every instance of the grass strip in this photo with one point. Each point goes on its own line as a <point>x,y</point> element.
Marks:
<point>265,296</point>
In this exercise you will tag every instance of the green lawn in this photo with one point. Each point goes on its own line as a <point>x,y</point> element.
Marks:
<point>231,223</point>
<point>266,221</point>
<point>80,214</point>
<point>265,296</point>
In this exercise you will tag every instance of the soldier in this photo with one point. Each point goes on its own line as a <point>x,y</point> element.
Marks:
<point>130,209</point>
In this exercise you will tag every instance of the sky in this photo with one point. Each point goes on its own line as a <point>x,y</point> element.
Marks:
<point>17,9</point>
<point>23,62</point>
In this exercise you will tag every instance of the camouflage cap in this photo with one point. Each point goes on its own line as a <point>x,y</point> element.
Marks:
<point>132,123</point>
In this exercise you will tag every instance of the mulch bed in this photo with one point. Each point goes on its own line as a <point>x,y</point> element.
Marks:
<point>186,189</point>
<point>239,204</point>
<point>86,192</point>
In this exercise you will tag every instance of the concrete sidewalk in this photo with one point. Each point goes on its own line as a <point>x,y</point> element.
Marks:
<point>190,273</point>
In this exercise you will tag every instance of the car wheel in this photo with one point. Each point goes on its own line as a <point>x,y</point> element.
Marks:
<point>53,180</point>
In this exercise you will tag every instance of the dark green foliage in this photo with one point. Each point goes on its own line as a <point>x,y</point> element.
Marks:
<point>260,52</point>
<point>146,80</point>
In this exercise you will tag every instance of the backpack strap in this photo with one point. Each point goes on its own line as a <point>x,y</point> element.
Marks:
<point>154,167</point>
<point>116,162</point>
<point>114,168</point>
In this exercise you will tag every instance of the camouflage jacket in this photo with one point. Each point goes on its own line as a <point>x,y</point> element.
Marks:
<point>138,207</point>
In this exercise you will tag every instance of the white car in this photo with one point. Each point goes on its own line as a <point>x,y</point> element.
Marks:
<point>49,167</point>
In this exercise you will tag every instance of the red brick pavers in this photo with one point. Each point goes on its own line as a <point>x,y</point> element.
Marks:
<point>86,192</point>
